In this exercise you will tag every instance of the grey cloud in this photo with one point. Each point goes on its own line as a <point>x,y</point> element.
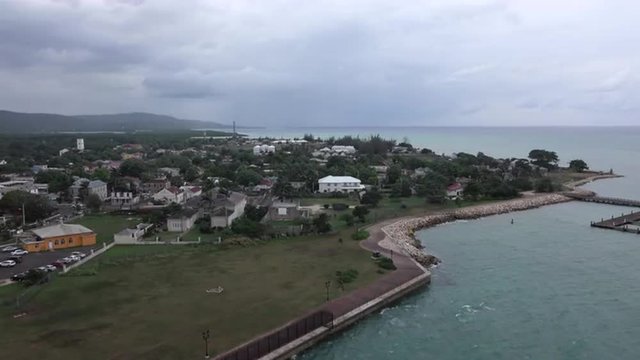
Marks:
<point>363,62</point>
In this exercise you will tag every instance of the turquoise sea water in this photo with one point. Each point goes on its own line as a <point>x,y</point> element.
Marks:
<point>547,287</point>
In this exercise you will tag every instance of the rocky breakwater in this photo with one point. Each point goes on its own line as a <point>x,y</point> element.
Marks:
<point>402,232</point>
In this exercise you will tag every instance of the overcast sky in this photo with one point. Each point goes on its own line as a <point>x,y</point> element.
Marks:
<point>326,62</point>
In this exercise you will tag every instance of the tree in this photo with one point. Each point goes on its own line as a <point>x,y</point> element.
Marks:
<point>433,187</point>
<point>544,185</point>
<point>133,167</point>
<point>255,213</point>
<point>360,212</point>
<point>393,174</point>
<point>58,181</point>
<point>283,188</point>
<point>578,165</point>
<point>402,188</point>
<point>371,198</point>
<point>93,202</point>
<point>321,223</point>
<point>348,219</point>
<point>544,158</point>
<point>102,174</point>
<point>246,226</point>
<point>36,207</point>
<point>472,191</point>
<point>247,177</point>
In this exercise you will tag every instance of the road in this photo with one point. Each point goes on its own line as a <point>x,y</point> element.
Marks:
<point>34,260</point>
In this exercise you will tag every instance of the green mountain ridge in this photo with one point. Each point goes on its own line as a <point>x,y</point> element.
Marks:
<point>26,123</point>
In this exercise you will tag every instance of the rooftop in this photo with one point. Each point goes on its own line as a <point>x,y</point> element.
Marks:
<point>61,230</point>
<point>338,179</point>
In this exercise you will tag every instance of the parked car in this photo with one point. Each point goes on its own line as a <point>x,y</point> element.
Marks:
<point>9,248</point>
<point>50,268</point>
<point>18,277</point>
<point>67,260</point>
<point>19,252</point>
<point>80,254</point>
<point>58,264</point>
<point>75,257</point>
<point>17,259</point>
<point>7,263</point>
<point>42,268</point>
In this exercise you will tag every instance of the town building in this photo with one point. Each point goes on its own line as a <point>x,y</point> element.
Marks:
<point>182,221</point>
<point>170,195</point>
<point>59,236</point>
<point>153,186</point>
<point>98,188</point>
<point>282,211</point>
<point>329,184</point>
<point>264,149</point>
<point>191,191</point>
<point>231,208</point>
<point>80,144</point>
<point>169,171</point>
<point>132,236</point>
<point>17,185</point>
<point>124,199</point>
<point>455,190</point>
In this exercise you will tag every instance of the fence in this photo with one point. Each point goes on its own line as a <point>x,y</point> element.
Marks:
<point>93,254</point>
<point>273,340</point>
<point>21,298</point>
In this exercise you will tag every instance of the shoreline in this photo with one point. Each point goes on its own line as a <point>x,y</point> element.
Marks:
<point>401,234</point>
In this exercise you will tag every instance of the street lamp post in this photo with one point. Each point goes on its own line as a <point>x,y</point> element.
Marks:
<point>205,337</point>
<point>327,284</point>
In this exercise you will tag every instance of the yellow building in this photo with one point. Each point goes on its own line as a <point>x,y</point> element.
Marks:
<point>60,236</point>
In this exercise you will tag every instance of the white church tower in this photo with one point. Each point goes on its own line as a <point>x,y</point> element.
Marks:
<point>80,144</point>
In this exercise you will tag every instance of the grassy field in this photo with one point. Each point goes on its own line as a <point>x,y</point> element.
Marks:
<point>107,225</point>
<point>150,302</point>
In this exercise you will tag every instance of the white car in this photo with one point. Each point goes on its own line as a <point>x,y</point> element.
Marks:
<point>74,257</point>
<point>19,252</point>
<point>66,260</point>
<point>80,254</point>
<point>9,248</point>
<point>7,263</point>
<point>50,268</point>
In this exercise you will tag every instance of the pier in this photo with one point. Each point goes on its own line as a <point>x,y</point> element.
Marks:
<point>604,200</point>
<point>626,223</point>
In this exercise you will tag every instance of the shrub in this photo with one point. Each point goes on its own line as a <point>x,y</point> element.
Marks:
<point>386,263</point>
<point>326,206</point>
<point>340,207</point>
<point>347,276</point>
<point>360,235</point>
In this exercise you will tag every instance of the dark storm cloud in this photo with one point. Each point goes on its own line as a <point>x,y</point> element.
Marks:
<point>362,62</point>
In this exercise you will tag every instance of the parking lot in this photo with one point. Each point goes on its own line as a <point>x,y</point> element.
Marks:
<point>34,260</point>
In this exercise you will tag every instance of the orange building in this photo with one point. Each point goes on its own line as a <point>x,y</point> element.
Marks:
<point>60,236</point>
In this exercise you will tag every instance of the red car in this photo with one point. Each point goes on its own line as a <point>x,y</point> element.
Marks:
<point>59,264</point>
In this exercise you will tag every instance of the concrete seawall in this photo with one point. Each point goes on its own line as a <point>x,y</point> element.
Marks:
<point>348,319</point>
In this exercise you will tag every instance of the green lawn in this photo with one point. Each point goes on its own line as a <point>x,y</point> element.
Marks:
<point>149,302</point>
<point>107,225</point>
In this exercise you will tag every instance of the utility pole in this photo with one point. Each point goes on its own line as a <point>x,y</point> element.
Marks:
<point>205,337</point>
<point>327,284</point>
<point>24,216</point>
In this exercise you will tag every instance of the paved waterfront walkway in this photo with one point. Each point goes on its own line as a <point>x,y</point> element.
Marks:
<point>407,269</point>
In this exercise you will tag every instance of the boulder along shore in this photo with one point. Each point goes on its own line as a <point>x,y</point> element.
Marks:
<point>402,232</point>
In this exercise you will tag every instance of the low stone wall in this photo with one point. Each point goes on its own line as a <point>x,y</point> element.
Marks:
<point>93,254</point>
<point>402,232</point>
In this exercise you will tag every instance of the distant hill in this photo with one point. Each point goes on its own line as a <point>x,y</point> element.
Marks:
<point>26,123</point>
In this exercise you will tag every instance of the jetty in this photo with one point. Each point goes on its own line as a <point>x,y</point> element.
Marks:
<point>625,222</point>
<point>603,200</point>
